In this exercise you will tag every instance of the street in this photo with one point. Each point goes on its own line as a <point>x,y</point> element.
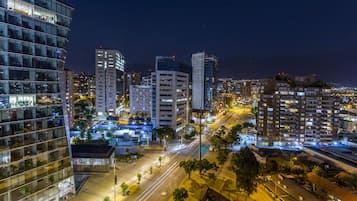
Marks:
<point>162,188</point>
<point>158,186</point>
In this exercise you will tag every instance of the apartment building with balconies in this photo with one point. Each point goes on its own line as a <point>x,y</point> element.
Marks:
<point>35,162</point>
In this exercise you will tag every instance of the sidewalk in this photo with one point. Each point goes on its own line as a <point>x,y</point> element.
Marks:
<point>100,185</point>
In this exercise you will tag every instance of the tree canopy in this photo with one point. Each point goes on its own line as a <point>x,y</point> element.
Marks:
<point>163,132</point>
<point>246,168</point>
<point>180,194</point>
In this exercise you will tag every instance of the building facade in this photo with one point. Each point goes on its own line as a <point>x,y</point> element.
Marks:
<point>296,115</point>
<point>67,90</point>
<point>146,80</point>
<point>84,85</point>
<point>140,99</point>
<point>109,78</point>
<point>170,94</point>
<point>204,80</point>
<point>35,159</point>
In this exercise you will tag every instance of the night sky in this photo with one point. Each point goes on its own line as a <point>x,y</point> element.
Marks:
<point>253,39</point>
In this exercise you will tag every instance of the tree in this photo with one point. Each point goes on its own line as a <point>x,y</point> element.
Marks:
<point>106,198</point>
<point>211,176</point>
<point>347,179</point>
<point>89,136</point>
<point>124,187</point>
<point>81,135</point>
<point>164,132</point>
<point>110,134</point>
<point>180,194</point>
<point>246,168</point>
<point>204,165</point>
<point>217,141</point>
<point>317,170</point>
<point>222,156</point>
<point>247,125</point>
<point>254,111</point>
<point>188,166</point>
<point>230,138</point>
<point>272,166</point>
<point>139,177</point>
<point>237,128</point>
<point>160,159</point>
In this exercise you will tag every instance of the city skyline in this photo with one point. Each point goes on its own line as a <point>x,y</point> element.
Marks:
<point>177,100</point>
<point>250,41</point>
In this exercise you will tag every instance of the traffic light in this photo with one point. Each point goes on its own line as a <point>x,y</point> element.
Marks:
<point>115,180</point>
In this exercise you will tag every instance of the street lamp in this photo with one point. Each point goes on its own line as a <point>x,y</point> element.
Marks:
<point>115,179</point>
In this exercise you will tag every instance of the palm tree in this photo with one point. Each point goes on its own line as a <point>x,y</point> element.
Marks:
<point>160,159</point>
<point>139,177</point>
<point>188,166</point>
<point>124,187</point>
<point>180,194</point>
<point>106,198</point>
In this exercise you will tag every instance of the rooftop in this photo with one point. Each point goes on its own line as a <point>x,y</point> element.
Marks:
<point>332,188</point>
<point>92,151</point>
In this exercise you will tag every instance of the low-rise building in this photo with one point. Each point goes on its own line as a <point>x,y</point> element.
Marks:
<point>92,158</point>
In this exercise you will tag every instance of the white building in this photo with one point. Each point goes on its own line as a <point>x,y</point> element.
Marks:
<point>108,75</point>
<point>146,80</point>
<point>204,80</point>
<point>170,94</point>
<point>140,99</point>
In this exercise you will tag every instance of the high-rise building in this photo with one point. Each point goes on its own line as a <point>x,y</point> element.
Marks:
<point>296,113</point>
<point>146,80</point>
<point>109,78</point>
<point>204,80</point>
<point>132,78</point>
<point>35,159</point>
<point>170,94</point>
<point>140,99</point>
<point>84,85</point>
<point>250,89</point>
<point>67,90</point>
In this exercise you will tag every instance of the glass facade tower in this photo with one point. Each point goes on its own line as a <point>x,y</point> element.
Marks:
<point>34,154</point>
<point>204,80</point>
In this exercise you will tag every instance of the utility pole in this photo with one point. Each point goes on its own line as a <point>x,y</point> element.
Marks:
<point>115,180</point>
<point>200,133</point>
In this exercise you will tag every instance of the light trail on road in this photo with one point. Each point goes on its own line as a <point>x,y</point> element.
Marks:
<point>149,191</point>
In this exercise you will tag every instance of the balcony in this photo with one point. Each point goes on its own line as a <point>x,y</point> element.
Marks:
<point>28,37</point>
<point>22,192</point>
<point>15,62</point>
<point>40,40</point>
<point>3,62</point>
<point>27,50</point>
<point>15,34</point>
<point>15,48</point>
<point>14,20</point>
<point>27,25</point>
<point>4,172</point>
<point>15,156</point>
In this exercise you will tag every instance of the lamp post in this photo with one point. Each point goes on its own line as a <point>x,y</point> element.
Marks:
<point>200,111</point>
<point>115,180</point>
<point>200,133</point>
